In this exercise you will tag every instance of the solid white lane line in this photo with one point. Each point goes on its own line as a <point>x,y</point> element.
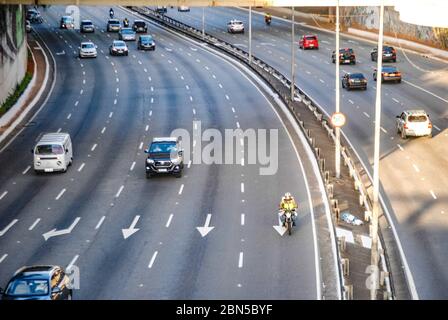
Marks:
<point>60,194</point>
<point>433,194</point>
<point>81,167</point>
<point>242,219</point>
<point>100,222</point>
<point>351,101</point>
<point>153,258</point>
<point>104,129</point>
<point>384,130</point>
<point>147,127</point>
<point>237,124</point>
<point>242,187</point>
<point>366,114</point>
<point>227,97</point>
<point>119,191</point>
<point>181,189</point>
<point>132,166</point>
<point>69,116</point>
<point>26,170</point>
<point>436,127</point>
<point>111,114</point>
<point>34,224</point>
<point>169,220</point>
<point>189,164</point>
<point>416,168</point>
<point>3,257</point>
<point>140,146</point>
<point>396,100</point>
<point>73,261</point>
<point>429,92</point>
<point>400,147</point>
<point>9,226</point>
<point>94,147</point>
<point>240,260</point>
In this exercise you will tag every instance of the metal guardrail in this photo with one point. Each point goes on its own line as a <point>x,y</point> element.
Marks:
<point>262,67</point>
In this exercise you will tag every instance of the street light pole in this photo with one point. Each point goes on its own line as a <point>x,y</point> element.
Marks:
<point>337,129</point>
<point>292,56</point>
<point>203,22</point>
<point>376,160</point>
<point>250,34</point>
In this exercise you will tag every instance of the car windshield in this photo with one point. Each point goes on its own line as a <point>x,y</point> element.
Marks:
<point>417,118</point>
<point>114,22</point>
<point>139,23</point>
<point>310,38</point>
<point>146,39</point>
<point>87,46</point>
<point>27,287</point>
<point>389,69</point>
<point>67,19</point>
<point>127,31</point>
<point>388,49</point>
<point>164,147</point>
<point>86,23</point>
<point>357,76</point>
<point>236,22</point>
<point>49,149</point>
<point>350,51</point>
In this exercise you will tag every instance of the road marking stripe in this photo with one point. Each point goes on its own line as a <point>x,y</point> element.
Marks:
<point>366,114</point>
<point>102,131</point>
<point>140,146</point>
<point>436,127</point>
<point>220,85</point>
<point>150,112</point>
<point>152,88</point>
<point>153,258</point>
<point>214,77</point>
<point>118,90</point>
<point>111,114</point>
<point>384,130</point>
<point>191,98</point>
<point>189,164</point>
<point>119,191</point>
<point>433,194</point>
<point>242,187</point>
<point>152,100</point>
<point>321,80</point>
<point>34,224</point>
<point>76,103</point>
<point>350,101</point>
<point>182,77</point>
<point>73,261</point>
<point>400,147</point>
<point>227,97</point>
<point>94,147</point>
<point>396,100</point>
<point>59,130</point>
<point>169,220</point>
<point>147,127</point>
<point>132,166</point>
<point>146,70</point>
<point>139,62</point>
<point>194,111</point>
<point>181,189</point>
<point>60,194</point>
<point>233,110</point>
<point>81,92</point>
<point>3,257</point>
<point>240,260</point>
<point>187,87</point>
<point>26,170</point>
<point>242,162</point>
<point>81,167</point>
<point>416,168</point>
<point>149,78</point>
<point>100,222</point>
<point>242,219</point>
<point>429,92</point>
<point>9,226</point>
<point>237,124</point>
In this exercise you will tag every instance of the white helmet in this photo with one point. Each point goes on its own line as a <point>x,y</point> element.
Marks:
<point>288,195</point>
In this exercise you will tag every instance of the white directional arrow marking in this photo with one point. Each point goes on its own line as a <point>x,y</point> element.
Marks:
<point>280,230</point>
<point>54,232</point>
<point>206,229</point>
<point>60,53</point>
<point>13,222</point>
<point>131,230</point>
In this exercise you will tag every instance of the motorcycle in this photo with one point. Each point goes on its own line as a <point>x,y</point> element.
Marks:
<point>287,220</point>
<point>125,23</point>
<point>111,14</point>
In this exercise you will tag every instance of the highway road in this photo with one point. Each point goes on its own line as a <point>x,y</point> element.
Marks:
<point>112,107</point>
<point>414,172</point>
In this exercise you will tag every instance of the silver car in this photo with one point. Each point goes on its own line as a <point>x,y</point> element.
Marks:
<point>126,34</point>
<point>87,50</point>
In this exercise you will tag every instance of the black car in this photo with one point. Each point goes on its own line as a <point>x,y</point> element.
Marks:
<point>389,73</point>
<point>146,42</point>
<point>161,9</point>
<point>38,283</point>
<point>33,16</point>
<point>87,26</point>
<point>389,54</point>
<point>164,156</point>
<point>346,55</point>
<point>67,22</point>
<point>139,26</point>
<point>354,80</point>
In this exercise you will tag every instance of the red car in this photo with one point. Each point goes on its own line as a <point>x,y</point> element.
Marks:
<point>309,42</point>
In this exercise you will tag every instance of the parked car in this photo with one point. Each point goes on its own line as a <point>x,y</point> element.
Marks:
<point>139,26</point>
<point>146,42</point>
<point>38,283</point>
<point>113,25</point>
<point>67,22</point>
<point>126,34</point>
<point>388,73</point>
<point>235,26</point>
<point>389,54</point>
<point>87,50</point>
<point>414,123</point>
<point>309,42</point>
<point>87,26</point>
<point>118,48</point>
<point>346,55</point>
<point>354,80</point>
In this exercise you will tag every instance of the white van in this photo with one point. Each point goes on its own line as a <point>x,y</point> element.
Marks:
<point>53,152</point>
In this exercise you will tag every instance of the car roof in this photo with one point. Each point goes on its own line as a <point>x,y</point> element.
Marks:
<point>35,271</point>
<point>127,29</point>
<point>87,42</point>
<point>57,137</point>
<point>145,36</point>
<point>235,21</point>
<point>356,74</point>
<point>86,20</point>
<point>67,17</point>
<point>165,139</point>
<point>138,20</point>
<point>310,35</point>
<point>389,68</point>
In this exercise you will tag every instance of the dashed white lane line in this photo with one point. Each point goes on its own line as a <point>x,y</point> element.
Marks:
<point>416,168</point>
<point>119,192</point>
<point>112,63</point>
<point>83,73</point>
<point>117,79</point>
<point>206,68</point>
<point>198,61</point>
<point>321,80</point>
<point>76,103</point>
<point>98,225</point>
<point>149,79</point>
<point>194,111</point>
<point>75,258</point>
<point>220,85</point>
<point>400,147</point>
<point>169,61</point>
<point>307,72</point>
<point>140,146</point>
<point>233,110</point>
<point>9,226</point>
<point>94,147</point>
<point>175,68</point>
<point>3,257</point>
<point>194,143</point>
<point>147,127</point>
<point>227,97</point>
<point>351,101</point>
<point>182,77</point>
<point>240,260</point>
<point>103,130</point>
<point>150,112</point>
<point>242,162</point>
<point>396,100</point>
<point>152,89</point>
<point>139,62</point>
<point>118,90</point>
<point>153,258</point>
<point>111,114</point>
<point>132,166</point>
<point>366,114</point>
<point>83,81</point>
<point>438,129</point>
<point>189,164</point>
<point>187,87</point>
<point>191,98</point>
<point>26,170</point>
<point>237,124</point>
<point>60,194</point>
<point>146,70</point>
<point>242,219</point>
<point>242,187</point>
<point>82,66</point>
<point>34,224</point>
<point>214,77</point>
<point>384,130</point>
<point>81,167</point>
<point>169,220</point>
<point>433,194</point>
<point>152,100</point>
<point>69,116</point>
<point>59,130</point>
<point>181,189</point>
<point>81,91</point>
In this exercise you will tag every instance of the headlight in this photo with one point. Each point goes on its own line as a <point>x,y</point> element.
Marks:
<point>176,160</point>
<point>149,161</point>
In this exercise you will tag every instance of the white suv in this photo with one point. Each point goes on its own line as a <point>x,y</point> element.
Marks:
<point>414,123</point>
<point>235,26</point>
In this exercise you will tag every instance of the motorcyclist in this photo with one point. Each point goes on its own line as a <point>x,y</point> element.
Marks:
<point>111,13</point>
<point>126,22</point>
<point>288,203</point>
<point>267,18</point>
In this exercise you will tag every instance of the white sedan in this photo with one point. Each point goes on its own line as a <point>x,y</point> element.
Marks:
<point>87,50</point>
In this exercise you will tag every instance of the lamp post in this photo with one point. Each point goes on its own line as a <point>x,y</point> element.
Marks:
<point>337,129</point>
<point>292,56</point>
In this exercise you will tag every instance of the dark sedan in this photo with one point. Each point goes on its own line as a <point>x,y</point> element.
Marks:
<point>346,55</point>
<point>388,73</point>
<point>354,80</point>
<point>389,54</point>
<point>146,42</point>
<point>38,283</point>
